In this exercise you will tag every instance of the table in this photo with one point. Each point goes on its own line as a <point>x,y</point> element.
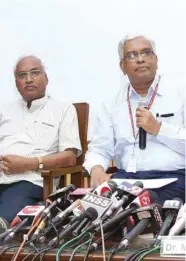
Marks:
<point>97,256</point>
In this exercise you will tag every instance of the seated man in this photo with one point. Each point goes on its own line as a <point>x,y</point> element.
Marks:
<point>116,135</point>
<point>36,132</point>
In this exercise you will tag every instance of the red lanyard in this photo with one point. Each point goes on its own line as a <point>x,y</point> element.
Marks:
<point>148,107</point>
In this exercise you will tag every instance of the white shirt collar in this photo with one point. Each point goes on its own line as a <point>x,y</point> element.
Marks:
<point>36,103</point>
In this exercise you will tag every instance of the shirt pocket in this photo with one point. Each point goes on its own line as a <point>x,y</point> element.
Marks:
<point>44,134</point>
<point>176,119</point>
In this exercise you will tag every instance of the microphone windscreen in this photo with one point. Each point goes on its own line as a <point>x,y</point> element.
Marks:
<point>154,198</point>
<point>138,184</point>
<point>91,213</point>
<point>4,225</point>
<point>113,185</point>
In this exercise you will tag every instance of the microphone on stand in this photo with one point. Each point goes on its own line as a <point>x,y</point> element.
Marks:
<point>142,133</point>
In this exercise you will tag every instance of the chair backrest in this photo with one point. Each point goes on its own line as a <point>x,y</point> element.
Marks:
<point>83,115</point>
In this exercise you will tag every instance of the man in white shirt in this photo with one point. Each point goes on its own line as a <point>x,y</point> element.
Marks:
<point>36,132</point>
<point>116,134</point>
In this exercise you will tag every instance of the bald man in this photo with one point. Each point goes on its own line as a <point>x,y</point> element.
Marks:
<point>36,132</point>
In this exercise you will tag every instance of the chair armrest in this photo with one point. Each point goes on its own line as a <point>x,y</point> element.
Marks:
<point>61,171</point>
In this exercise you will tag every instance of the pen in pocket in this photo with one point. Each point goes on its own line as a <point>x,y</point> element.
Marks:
<point>164,115</point>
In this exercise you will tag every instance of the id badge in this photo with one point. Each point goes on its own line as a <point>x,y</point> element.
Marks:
<point>132,164</point>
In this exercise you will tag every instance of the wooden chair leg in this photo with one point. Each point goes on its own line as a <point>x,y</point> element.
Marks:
<point>86,182</point>
<point>77,179</point>
<point>46,188</point>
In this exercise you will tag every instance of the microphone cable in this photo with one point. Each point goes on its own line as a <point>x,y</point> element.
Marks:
<point>5,248</point>
<point>91,236</point>
<point>67,244</point>
<point>48,248</point>
<point>139,252</point>
<point>41,250</point>
<point>135,254</point>
<point>112,252</point>
<point>147,253</point>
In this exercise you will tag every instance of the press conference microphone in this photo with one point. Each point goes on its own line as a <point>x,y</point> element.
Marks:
<point>142,133</point>
<point>170,211</point>
<point>90,215</point>
<point>62,215</point>
<point>61,192</point>
<point>40,227</point>
<point>4,228</point>
<point>146,215</point>
<point>65,232</point>
<point>98,242</point>
<point>124,200</point>
<point>106,189</point>
<point>14,230</point>
<point>180,223</point>
<point>144,199</point>
<point>136,231</point>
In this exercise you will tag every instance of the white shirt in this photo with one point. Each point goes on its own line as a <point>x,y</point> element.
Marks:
<point>48,127</point>
<point>113,136</point>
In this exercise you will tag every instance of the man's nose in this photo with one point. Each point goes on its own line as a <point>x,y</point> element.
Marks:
<point>29,78</point>
<point>140,58</point>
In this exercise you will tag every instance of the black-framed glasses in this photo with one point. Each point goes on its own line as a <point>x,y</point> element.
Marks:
<point>133,56</point>
<point>33,73</point>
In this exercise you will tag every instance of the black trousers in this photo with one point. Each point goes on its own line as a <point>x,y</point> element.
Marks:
<point>15,196</point>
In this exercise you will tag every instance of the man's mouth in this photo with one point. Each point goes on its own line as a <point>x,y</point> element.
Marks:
<point>144,68</point>
<point>30,87</point>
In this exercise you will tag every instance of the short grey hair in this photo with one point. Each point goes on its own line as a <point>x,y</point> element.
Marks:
<point>128,37</point>
<point>26,56</point>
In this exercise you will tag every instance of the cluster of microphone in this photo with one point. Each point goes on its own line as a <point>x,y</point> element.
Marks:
<point>109,208</point>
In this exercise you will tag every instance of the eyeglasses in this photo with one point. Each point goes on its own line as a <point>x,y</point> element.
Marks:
<point>33,73</point>
<point>133,56</point>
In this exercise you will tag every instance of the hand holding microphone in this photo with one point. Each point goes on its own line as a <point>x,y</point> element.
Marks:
<point>146,123</point>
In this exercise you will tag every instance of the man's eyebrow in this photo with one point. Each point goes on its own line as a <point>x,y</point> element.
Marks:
<point>143,49</point>
<point>34,68</point>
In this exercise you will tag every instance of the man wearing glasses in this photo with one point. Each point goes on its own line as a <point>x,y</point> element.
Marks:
<point>116,134</point>
<point>36,132</point>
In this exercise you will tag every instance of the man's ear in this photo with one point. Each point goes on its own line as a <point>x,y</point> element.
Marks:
<point>46,78</point>
<point>157,62</point>
<point>122,66</point>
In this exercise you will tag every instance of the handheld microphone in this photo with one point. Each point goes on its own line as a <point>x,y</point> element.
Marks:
<point>14,230</point>
<point>179,226</point>
<point>142,133</point>
<point>170,212</point>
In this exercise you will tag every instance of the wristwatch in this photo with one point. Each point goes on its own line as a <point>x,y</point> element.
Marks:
<point>40,163</point>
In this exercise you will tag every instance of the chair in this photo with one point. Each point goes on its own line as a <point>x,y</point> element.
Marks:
<point>76,175</point>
